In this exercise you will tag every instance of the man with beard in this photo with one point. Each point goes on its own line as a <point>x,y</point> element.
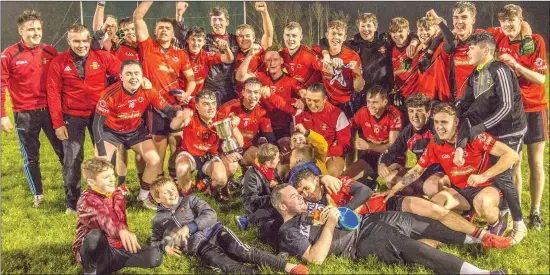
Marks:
<point>360,198</point>
<point>323,118</point>
<point>389,236</point>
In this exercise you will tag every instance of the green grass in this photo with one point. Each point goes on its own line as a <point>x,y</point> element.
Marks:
<point>38,241</point>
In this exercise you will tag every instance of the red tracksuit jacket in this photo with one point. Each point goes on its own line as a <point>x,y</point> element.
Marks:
<point>24,74</point>
<point>72,95</point>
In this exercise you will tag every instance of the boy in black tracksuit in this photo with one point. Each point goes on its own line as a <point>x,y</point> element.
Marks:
<point>257,184</point>
<point>492,103</point>
<point>189,225</point>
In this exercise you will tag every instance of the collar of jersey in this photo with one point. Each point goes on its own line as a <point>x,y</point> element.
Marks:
<point>481,66</point>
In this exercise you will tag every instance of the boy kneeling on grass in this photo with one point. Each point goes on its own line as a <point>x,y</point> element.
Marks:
<point>103,242</point>
<point>189,225</point>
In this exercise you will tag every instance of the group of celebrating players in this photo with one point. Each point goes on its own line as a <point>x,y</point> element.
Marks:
<point>314,128</point>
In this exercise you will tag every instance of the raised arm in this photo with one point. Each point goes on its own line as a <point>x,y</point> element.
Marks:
<point>142,33</point>
<point>318,252</point>
<point>267,37</point>
<point>242,72</point>
<point>98,16</point>
<point>180,31</point>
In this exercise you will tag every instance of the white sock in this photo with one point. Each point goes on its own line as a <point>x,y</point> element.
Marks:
<point>471,240</point>
<point>519,225</point>
<point>143,194</point>
<point>483,232</point>
<point>468,268</point>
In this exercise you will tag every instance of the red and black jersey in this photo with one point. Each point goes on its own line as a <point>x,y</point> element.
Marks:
<point>24,76</point>
<point>476,157</point>
<point>200,138</point>
<point>434,81</point>
<point>200,63</point>
<point>404,80</point>
<point>126,52</point>
<point>300,65</point>
<point>332,124</point>
<point>256,65</point>
<point>69,93</point>
<point>344,196</point>
<point>163,67</point>
<point>533,95</point>
<point>252,121</point>
<point>377,130</point>
<point>285,87</point>
<point>123,110</point>
<point>339,87</point>
<point>458,62</point>
<point>414,140</point>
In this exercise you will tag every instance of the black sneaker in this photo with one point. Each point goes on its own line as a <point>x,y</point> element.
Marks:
<point>535,221</point>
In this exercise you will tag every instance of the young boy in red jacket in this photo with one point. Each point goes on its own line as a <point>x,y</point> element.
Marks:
<point>103,242</point>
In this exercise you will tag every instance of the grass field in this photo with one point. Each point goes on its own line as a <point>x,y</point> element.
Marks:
<point>38,241</point>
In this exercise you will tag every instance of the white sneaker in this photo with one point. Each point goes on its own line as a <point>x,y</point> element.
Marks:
<point>518,234</point>
<point>147,203</point>
<point>37,201</point>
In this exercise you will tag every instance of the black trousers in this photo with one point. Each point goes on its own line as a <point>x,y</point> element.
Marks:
<point>226,253</point>
<point>74,155</point>
<point>390,237</point>
<point>98,257</point>
<point>504,182</point>
<point>28,125</point>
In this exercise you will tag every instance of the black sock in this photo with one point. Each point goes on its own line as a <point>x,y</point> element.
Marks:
<point>121,180</point>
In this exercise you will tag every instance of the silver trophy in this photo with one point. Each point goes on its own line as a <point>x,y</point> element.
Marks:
<point>224,131</point>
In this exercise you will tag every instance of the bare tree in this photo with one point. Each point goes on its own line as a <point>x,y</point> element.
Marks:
<point>318,11</point>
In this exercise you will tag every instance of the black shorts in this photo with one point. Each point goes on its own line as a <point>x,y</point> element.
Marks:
<point>161,124</point>
<point>469,193</point>
<point>128,139</point>
<point>432,169</point>
<point>395,203</point>
<point>537,127</point>
<point>199,163</point>
<point>373,158</point>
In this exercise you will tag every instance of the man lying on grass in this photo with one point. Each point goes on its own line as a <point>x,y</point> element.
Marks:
<point>391,243</point>
<point>189,225</point>
<point>103,242</point>
<point>357,196</point>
